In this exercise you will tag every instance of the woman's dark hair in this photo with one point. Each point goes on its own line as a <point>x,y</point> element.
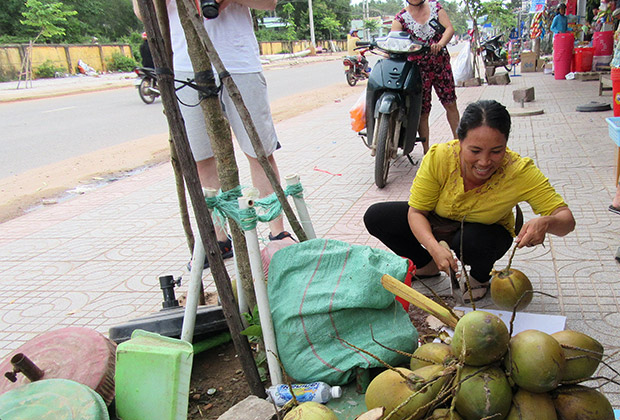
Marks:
<point>489,113</point>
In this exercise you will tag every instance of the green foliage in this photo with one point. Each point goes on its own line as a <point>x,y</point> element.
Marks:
<point>48,70</point>
<point>254,333</point>
<point>378,8</point>
<point>107,20</point>
<point>46,17</point>
<point>119,62</point>
<point>330,24</point>
<point>457,17</point>
<point>501,17</point>
<point>338,10</point>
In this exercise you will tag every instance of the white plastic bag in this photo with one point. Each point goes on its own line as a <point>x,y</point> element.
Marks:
<point>462,68</point>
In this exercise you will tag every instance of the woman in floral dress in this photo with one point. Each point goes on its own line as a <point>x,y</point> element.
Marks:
<point>419,18</point>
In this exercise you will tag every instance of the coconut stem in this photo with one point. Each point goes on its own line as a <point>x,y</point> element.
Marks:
<point>514,249</point>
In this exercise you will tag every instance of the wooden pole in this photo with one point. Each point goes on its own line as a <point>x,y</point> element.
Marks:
<point>196,22</point>
<point>163,63</point>
<point>219,132</point>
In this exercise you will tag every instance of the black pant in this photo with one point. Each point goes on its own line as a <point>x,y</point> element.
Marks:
<point>482,244</point>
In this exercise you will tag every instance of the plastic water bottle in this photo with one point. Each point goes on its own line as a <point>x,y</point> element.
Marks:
<point>316,391</point>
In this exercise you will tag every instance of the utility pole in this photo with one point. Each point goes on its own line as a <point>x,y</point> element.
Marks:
<point>311,18</point>
<point>365,18</point>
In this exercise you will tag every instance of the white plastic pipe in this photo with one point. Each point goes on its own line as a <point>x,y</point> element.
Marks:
<point>262,299</point>
<point>242,302</point>
<point>302,209</point>
<point>193,291</point>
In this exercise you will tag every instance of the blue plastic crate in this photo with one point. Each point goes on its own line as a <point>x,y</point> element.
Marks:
<point>614,129</point>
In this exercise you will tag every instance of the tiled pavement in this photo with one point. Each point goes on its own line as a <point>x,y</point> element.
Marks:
<point>94,260</point>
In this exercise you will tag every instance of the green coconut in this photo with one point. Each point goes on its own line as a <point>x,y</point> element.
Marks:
<point>389,390</point>
<point>429,354</point>
<point>311,410</point>
<point>528,405</point>
<point>507,287</point>
<point>580,364</point>
<point>535,361</point>
<point>577,402</point>
<point>480,338</point>
<point>484,393</point>
<point>444,414</point>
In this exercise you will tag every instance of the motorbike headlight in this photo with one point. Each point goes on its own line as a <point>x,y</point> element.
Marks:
<point>398,44</point>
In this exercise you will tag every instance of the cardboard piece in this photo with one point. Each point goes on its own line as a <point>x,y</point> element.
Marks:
<point>528,62</point>
<point>526,321</point>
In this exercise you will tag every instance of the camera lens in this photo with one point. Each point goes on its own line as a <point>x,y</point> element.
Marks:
<point>210,8</point>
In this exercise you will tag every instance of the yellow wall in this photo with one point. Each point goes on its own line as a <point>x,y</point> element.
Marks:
<point>277,47</point>
<point>95,55</point>
<point>65,56</point>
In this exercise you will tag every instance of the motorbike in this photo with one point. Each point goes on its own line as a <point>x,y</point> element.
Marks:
<point>358,67</point>
<point>494,54</point>
<point>146,84</point>
<point>393,101</point>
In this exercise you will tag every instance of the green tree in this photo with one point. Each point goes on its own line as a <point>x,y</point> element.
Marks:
<point>10,12</point>
<point>500,15</point>
<point>378,8</point>
<point>329,24</point>
<point>111,20</point>
<point>339,10</point>
<point>45,18</point>
<point>373,26</point>
<point>457,17</point>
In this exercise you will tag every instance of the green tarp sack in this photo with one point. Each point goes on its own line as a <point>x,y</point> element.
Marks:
<point>322,290</point>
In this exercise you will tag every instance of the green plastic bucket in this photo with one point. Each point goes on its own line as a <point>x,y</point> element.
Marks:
<point>152,377</point>
<point>53,399</point>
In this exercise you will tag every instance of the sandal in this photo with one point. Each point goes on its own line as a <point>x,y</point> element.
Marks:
<point>226,250</point>
<point>614,209</point>
<point>427,276</point>
<point>282,235</point>
<point>478,290</point>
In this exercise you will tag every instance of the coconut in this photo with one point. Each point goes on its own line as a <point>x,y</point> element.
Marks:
<point>535,361</point>
<point>480,338</point>
<point>445,414</point>
<point>430,353</point>
<point>507,287</point>
<point>528,405</point>
<point>577,402</point>
<point>580,364</point>
<point>389,390</point>
<point>484,393</point>
<point>311,410</point>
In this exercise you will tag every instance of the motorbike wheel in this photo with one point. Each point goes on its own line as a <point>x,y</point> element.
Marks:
<point>145,92</point>
<point>351,79</point>
<point>383,140</point>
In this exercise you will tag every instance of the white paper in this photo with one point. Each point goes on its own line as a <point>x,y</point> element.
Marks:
<point>526,321</point>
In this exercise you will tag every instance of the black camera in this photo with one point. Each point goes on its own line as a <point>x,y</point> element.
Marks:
<point>210,8</point>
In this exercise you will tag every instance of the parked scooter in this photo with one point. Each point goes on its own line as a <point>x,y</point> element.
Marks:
<point>358,67</point>
<point>494,54</point>
<point>393,101</point>
<point>146,84</point>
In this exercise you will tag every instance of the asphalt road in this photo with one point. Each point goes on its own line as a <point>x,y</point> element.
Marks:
<point>45,131</point>
<point>40,132</point>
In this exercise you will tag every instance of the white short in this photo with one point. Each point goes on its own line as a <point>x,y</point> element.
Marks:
<point>253,89</point>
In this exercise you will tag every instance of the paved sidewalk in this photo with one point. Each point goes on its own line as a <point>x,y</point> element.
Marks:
<point>94,260</point>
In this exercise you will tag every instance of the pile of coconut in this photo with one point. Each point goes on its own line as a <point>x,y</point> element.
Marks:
<point>482,372</point>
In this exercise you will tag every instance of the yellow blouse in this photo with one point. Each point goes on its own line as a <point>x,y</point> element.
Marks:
<point>438,186</point>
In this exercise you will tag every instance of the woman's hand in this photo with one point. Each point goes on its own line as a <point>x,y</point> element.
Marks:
<point>533,232</point>
<point>436,48</point>
<point>444,259</point>
<point>561,222</point>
